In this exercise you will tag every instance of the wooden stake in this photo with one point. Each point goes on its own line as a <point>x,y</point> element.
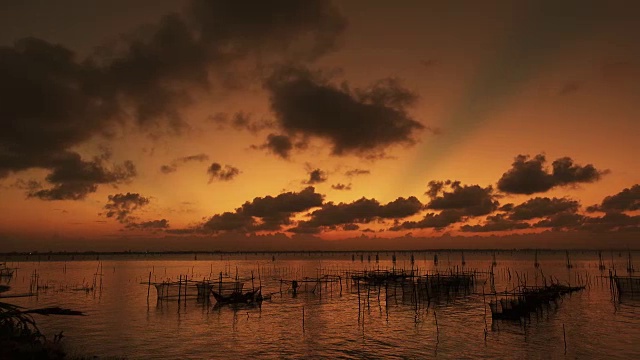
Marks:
<point>148,287</point>
<point>564,335</point>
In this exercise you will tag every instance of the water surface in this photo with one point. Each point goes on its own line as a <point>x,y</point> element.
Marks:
<point>121,322</point>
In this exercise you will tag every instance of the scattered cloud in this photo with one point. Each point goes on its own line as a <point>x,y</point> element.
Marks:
<point>539,207</point>
<point>240,121</point>
<point>357,172</point>
<point>529,175</point>
<point>316,176</point>
<point>122,206</point>
<point>350,227</point>
<point>173,167</point>
<point>340,186</point>
<point>153,225</point>
<point>471,200</point>
<point>456,202</point>
<point>265,213</point>
<point>613,221</point>
<point>497,222</point>
<point>280,145</point>
<point>73,178</point>
<point>436,221</point>
<point>626,200</point>
<point>217,172</point>
<point>53,100</point>
<point>564,220</point>
<point>506,207</point>
<point>361,211</point>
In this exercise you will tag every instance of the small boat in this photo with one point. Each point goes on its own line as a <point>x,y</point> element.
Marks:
<point>6,271</point>
<point>238,297</point>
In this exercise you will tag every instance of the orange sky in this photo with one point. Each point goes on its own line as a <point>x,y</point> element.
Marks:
<point>474,85</point>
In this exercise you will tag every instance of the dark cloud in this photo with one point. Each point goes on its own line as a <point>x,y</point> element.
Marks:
<point>173,167</point>
<point>152,225</point>
<point>497,222</point>
<point>529,175</point>
<point>280,145</point>
<point>240,121</point>
<point>457,203</point>
<point>168,169</point>
<point>563,220</point>
<point>157,73</point>
<point>48,103</point>
<point>526,176</point>
<point>306,29</point>
<point>340,186</point>
<point>265,213</point>
<point>30,186</point>
<point>626,200</point>
<point>350,227</point>
<point>361,211</point>
<point>316,176</point>
<point>506,207</point>
<point>471,200</point>
<point>540,207</point>
<point>216,172</point>
<point>52,101</point>
<point>229,221</point>
<point>565,172</point>
<point>289,202</point>
<point>614,221</point>
<point>570,87</point>
<point>361,122</point>
<point>437,221</point>
<point>73,178</point>
<point>356,172</point>
<point>121,206</point>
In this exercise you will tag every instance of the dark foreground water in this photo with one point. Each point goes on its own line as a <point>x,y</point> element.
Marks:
<point>120,322</point>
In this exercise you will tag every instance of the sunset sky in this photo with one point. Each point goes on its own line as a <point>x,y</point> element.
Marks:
<point>162,124</point>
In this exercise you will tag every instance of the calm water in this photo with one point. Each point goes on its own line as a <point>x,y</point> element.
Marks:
<point>121,323</point>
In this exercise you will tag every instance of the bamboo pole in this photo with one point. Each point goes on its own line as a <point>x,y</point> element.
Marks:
<point>148,287</point>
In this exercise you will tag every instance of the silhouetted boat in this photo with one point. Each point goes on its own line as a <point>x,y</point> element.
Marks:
<point>238,297</point>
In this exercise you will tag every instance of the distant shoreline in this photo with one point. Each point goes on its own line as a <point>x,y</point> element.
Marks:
<point>255,252</point>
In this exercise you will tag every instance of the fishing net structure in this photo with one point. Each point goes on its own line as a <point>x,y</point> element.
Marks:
<point>173,290</point>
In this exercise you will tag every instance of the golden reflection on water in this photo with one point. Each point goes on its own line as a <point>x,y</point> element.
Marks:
<point>121,322</point>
